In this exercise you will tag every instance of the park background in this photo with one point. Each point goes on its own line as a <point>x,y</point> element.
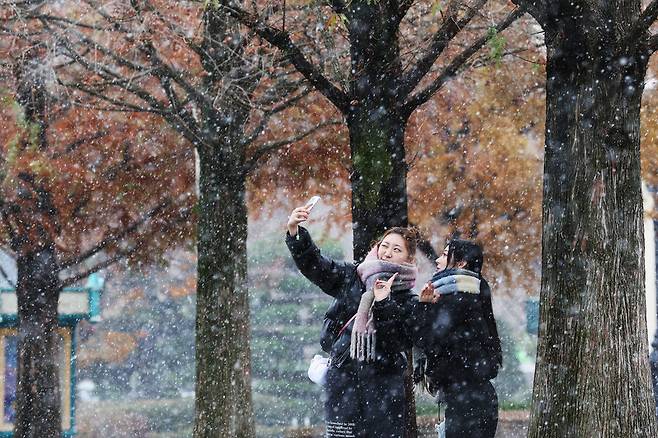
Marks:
<point>475,152</point>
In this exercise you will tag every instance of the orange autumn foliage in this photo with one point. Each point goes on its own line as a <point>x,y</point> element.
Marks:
<point>110,347</point>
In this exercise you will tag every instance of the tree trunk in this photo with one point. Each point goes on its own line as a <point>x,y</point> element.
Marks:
<point>592,376</point>
<point>38,395</point>
<point>379,169</point>
<point>411,427</point>
<point>223,385</point>
<point>379,176</point>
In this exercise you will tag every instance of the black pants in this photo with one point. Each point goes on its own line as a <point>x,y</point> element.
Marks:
<point>364,402</point>
<point>471,410</point>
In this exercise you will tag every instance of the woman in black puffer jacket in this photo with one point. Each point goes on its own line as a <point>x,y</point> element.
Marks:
<point>460,340</point>
<point>364,384</point>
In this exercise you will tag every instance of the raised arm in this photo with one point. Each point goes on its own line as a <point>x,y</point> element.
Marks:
<point>324,272</point>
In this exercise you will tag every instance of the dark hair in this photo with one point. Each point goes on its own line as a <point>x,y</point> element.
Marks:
<point>411,237</point>
<point>460,250</point>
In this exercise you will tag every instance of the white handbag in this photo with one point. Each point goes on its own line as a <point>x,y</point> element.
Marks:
<point>317,370</point>
<point>441,429</point>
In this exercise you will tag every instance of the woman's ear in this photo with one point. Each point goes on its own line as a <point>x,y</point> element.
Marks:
<point>462,264</point>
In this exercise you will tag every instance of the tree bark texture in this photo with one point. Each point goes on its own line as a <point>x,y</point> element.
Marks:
<point>223,355</point>
<point>38,400</point>
<point>592,377</point>
<point>379,168</point>
<point>379,177</point>
<point>223,385</point>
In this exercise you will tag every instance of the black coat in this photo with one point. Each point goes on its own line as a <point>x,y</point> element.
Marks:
<point>457,335</point>
<point>340,280</point>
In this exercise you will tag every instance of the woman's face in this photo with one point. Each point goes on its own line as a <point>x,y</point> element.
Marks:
<point>442,261</point>
<point>393,248</point>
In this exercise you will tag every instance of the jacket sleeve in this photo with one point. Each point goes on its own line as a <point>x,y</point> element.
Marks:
<point>445,322</point>
<point>324,272</point>
<point>426,324</point>
<point>420,322</point>
<point>393,323</point>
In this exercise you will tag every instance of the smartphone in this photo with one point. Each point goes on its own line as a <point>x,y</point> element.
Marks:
<point>311,202</point>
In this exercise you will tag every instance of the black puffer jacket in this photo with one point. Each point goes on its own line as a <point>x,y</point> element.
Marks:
<point>457,334</point>
<point>340,280</point>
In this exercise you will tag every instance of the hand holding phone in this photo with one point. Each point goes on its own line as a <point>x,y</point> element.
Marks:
<point>300,214</point>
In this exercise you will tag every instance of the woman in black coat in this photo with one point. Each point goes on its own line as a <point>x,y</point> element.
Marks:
<point>364,384</point>
<point>453,323</point>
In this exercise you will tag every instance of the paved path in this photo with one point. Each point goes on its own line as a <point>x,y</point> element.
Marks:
<point>512,424</point>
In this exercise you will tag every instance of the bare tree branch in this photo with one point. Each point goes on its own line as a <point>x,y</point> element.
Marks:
<point>457,63</point>
<point>102,265</point>
<point>202,100</point>
<point>403,8</point>
<point>79,142</point>
<point>273,146</point>
<point>158,66</point>
<point>653,43</point>
<point>267,115</point>
<point>536,8</point>
<point>273,95</point>
<point>281,40</point>
<point>6,277</point>
<point>53,18</point>
<point>640,27</point>
<point>109,75</point>
<point>11,232</point>
<point>648,16</point>
<point>118,105</point>
<point>114,238</point>
<point>448,30</point>
<point>185,214</point>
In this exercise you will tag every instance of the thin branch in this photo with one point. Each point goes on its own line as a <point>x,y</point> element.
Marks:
<point>267,115</point>
<point>536,8</point>
<point>649,16</point>
<point>203,100</point>
<point>108,74</point>
<point>159,66</point>
<point>281,88</point>
<point>281,40</point>
<point>119,104</point>
<point>102,265</point>
<point>458,62</point>
<point>13,237</point>
<point>270,147</point>
<point>119,256</point>
<point>6,277</point>
<point>653,43</point>
<point>448,30</point>
<point>403,8</point>
<point>53,18</point>
<point>113,238</point>
<point>95,45</point>
<point>79,142</point>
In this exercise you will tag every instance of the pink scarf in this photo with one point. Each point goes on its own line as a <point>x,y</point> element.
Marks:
<point>362,345</point>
